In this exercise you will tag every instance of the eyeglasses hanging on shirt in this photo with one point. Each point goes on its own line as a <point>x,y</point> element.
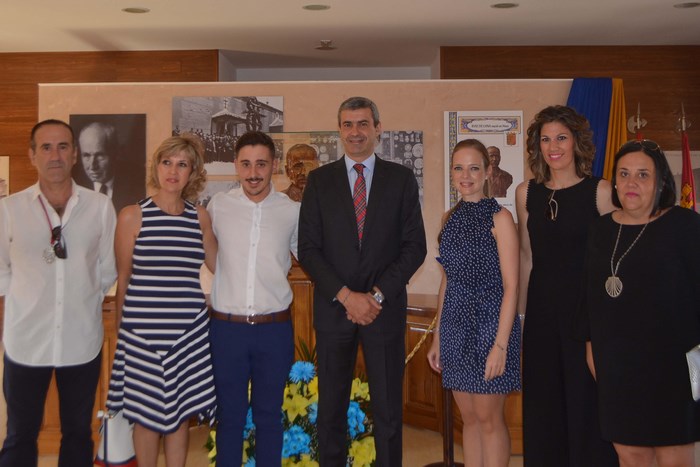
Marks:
<point>57,246</point>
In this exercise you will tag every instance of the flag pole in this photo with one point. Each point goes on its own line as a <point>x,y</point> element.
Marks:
<point>635,123</point>
<point>638,122</point>
<point>687,191</point>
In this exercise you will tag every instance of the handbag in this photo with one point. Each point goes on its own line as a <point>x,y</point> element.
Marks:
<point>693,357</point>
<point>116,448</point>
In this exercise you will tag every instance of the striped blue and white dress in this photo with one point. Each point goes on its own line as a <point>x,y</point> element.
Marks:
<point>162,373</point>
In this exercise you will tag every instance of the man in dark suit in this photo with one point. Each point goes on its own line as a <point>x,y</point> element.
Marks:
<point>361,238</point>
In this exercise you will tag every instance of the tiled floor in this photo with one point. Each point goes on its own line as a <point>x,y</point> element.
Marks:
<point>421,447</point>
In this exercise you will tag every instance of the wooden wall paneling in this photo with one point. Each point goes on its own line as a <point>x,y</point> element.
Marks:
<point>422,388</point>
<point>96,67</point>
<point>183,65</point>
<point>657,77</point>
<point>56,67</point>
<point>18,111</point>
<point>302,308</point>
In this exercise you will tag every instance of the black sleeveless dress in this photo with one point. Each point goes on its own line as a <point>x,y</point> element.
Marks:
<point>560,422</point>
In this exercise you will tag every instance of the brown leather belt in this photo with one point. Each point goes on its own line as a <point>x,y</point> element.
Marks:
<point>276,317</point>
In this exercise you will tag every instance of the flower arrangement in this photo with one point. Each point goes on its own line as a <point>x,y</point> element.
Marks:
<point>299,410</point>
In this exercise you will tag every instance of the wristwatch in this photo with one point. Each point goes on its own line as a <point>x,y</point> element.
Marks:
<point>377,295</point>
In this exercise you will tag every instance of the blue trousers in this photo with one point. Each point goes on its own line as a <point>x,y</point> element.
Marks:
<point>25,389</point>
<point>261,354</point>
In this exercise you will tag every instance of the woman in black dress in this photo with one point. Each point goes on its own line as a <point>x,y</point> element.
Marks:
<point>641,312</point>
<point>560,425</point>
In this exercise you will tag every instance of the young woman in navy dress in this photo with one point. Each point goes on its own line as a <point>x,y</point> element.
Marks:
<point>476,345</point>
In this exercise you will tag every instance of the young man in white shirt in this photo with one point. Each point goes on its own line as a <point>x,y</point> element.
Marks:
<point>56,264</point>
<point>251,330</point>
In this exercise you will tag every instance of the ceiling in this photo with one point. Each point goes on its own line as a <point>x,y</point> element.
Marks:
<point>367,33</point>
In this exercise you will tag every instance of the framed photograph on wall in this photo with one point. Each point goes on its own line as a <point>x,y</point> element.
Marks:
<point>112,155</point>
<point>215,185</point>
<point>4,176</point>
<point>403,147</point>
<point>502,133</point>
<point>219,120</point>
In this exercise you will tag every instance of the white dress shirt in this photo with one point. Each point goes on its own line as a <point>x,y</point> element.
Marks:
<point>53,312</point>
<point>255,240</point>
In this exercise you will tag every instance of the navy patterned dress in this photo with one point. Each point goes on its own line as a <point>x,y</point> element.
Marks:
<point>472,304</point>
<point>162,372</point>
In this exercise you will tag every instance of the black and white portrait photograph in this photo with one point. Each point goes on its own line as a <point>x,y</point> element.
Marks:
<point>219,121</point>
<point>112,155</point>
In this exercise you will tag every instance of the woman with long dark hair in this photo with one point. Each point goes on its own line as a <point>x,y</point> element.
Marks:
<point>560,425</point>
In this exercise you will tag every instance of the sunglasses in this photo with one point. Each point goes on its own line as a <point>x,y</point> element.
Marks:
<point>59,246</point>
<point>647,144</point>
<point>552,208</point>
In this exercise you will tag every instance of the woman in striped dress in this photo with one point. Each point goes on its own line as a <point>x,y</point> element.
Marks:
<point>162,373</point>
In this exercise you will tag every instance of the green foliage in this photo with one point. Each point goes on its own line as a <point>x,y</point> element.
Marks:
<point>306,354</point>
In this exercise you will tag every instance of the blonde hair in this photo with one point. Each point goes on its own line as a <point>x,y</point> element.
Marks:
<point>192,147</point>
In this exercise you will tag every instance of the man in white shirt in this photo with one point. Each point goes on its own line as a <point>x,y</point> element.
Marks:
<point>251,331</point>
<point>56,264</point>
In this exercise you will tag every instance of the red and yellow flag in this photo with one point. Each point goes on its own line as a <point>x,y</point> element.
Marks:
<point>687,183</point>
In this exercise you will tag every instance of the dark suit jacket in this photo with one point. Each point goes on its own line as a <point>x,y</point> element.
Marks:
<point>393,244</point>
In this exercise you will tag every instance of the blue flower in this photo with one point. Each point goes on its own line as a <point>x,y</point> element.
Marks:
<point>295,441</point>
<point>249,425</point>
<point>356,419</point>
<point>312,410</point>
<point>302,371</point>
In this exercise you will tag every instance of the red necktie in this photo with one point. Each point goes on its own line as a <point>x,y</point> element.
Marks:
<point>359,199</point>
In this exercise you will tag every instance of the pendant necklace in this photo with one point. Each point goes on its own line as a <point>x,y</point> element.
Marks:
<point>613,285</point>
